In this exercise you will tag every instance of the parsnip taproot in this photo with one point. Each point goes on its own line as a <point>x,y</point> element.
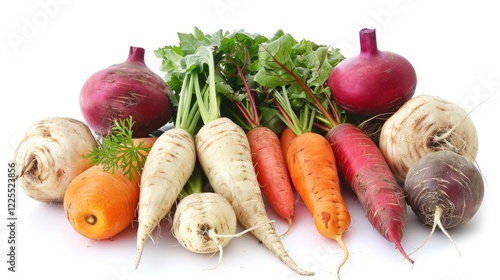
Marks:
<point>167,169</point>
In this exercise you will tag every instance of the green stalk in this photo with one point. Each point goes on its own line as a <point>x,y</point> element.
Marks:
<point>195,184</point>
<point>298,124</point>
<point>207,98</point>
<point>188,114</point>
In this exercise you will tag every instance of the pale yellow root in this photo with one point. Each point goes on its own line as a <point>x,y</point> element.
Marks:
<point>168,167</point>
<point>346,255</point>
<point>224,154</point>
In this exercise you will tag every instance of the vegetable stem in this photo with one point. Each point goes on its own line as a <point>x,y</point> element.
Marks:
<point>136,55</point>
<point>368,42</point>
<point>194,184</point>
<point>209,104</point>
<point>298,124</point>
<point>252,115</point>
<point>91,219</point>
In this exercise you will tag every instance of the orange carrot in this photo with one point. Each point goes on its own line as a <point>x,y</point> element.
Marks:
<point>286,137</point>
<point>313,171</point>
<point>100,204</point>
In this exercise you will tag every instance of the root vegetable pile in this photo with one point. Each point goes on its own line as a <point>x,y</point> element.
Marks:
<point>101,201</point>
<point>253,122</point>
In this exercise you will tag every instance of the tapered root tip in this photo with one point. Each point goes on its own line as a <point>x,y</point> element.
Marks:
<point>396,241</point>
<point>140,248</point>
<point>290,223</point>
<point>305,272</point>
<point>346,255</point>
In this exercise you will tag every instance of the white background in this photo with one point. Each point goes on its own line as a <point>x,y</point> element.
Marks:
<point>50,47</point>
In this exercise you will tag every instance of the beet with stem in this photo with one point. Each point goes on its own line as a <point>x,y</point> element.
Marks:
<point>126,89</point>
<point>374,82</point>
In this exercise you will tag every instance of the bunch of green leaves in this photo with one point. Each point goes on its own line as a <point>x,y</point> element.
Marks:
<point>284,61</point>
<point>243,62</point>
<point>117,151</point>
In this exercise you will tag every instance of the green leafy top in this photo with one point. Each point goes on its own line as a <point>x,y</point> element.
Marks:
<point>302,69</point>
<point>241,71</point>
<point>118,151</point>
<point>190,69</point>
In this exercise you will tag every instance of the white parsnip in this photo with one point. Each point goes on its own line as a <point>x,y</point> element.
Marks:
<point>168,167</point>
<point>426,124</point>
<point>52,153</point>
<point>224,154</point>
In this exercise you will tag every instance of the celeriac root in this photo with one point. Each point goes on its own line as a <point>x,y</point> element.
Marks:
<point>50,155</point>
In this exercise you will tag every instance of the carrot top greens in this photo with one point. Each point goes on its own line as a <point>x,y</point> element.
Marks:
<point>118,151</point>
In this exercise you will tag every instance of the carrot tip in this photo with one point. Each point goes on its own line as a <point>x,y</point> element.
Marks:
<point>346,255</point>
<point>290,223</point>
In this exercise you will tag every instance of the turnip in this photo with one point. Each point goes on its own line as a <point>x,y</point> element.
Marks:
<point>204,223</point>
<point>50,155</point>
<point>374,82</point>
<point>444,189</point>
<point>126,89</point>
<point>423,125</point>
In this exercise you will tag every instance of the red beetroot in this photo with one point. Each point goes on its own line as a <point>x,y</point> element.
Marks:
<point>126,89</point>
<point>374,82</point>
